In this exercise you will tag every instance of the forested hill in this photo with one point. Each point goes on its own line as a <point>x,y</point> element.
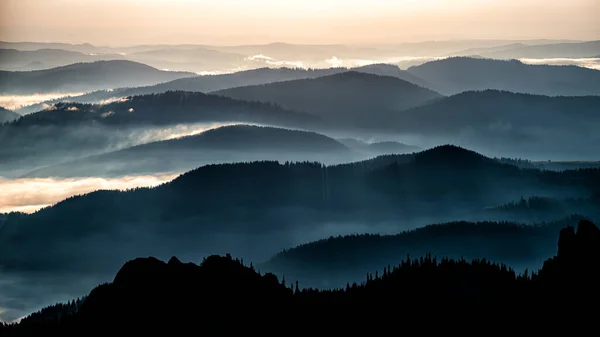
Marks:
<point>346,98</point>
<point>334,261</point>
<point>163,109</point>
<point>262,198</point>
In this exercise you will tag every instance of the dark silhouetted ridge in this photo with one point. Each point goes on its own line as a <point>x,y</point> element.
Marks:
<point>148,294</point>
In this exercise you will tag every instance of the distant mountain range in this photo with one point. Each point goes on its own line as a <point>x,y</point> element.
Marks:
<point>495,122</point>
<point>66,131</point>
<point>554,50</point>
<point>29,60</point>
<point>82,77</point>
<point>503,122</point>
<point>205,83</point>
<point>347,98</point>
<point>447,76</point>
<point>237,143</point>
<point>8,115</point>
<point>458,74</point>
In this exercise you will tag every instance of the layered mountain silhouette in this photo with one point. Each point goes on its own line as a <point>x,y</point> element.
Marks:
<point>171,107</point>
<point>383,69</point>
<point>261,199</point>
<point>552,50</point>
<point>28,60</point>
<point>67,131</point>
<point>347,98</point>
<point>237,143</point>
<point>205,83</point>
<point>81,77</point>
<point>195,59</point>
<point>505,122</point>
<point>332,262</point>
<point>8,115</point>
<point>458,74</point>
<point>148,290</point>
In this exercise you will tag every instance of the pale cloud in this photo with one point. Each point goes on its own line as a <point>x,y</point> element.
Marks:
<point>592,63</point>
<point>334,62</point>
<point>107,114</point>
<point>258,57</point>
<point>72,108</point>
<point>31,194</point>
<point>48,107</point>
<point>17,101</point>
<point>269,61</point>
<point>131,110</point>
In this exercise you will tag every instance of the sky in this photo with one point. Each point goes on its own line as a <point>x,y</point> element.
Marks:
<point>231,22</point>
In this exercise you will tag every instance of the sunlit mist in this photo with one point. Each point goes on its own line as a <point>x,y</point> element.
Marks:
<point>31,194</point>
<point>18,101</point>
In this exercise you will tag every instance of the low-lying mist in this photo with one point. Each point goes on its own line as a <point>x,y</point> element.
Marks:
<point>13,102</point>
<point>28,195</point>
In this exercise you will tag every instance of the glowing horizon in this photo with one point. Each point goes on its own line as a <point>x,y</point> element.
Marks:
<point>230,22</point>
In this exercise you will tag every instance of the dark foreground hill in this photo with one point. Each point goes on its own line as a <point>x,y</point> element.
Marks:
<point>236,143</point>
<point>148,294</point>
<point>82,77</point>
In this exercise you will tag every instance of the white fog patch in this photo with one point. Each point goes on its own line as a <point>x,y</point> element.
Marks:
<point>107,114</point>
<point>269,61</point>
<point>14,102</point>
<point>334,62</point>
<point>592,63</point>
<point>72,108</point>
<point>130,110</point>
<point>48,107</point>
<point>31,194</point>
<point>401,61</point>
<point>258,57</point>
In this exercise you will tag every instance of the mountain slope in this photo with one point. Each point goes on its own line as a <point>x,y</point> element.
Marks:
<point>205,83</point>
<point>197,59</point>
<point>393,71</point>
<point>7,115</point>
<point>67,131</point>
<point>347,98</point>
<point>238,143</point>
<point>272,206</point>
<point>18,60</point>
<point>554,50</point>
<point>520,125</point>
<point>334,261</point>
<point>457,74</point>
<point>84,77</point>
